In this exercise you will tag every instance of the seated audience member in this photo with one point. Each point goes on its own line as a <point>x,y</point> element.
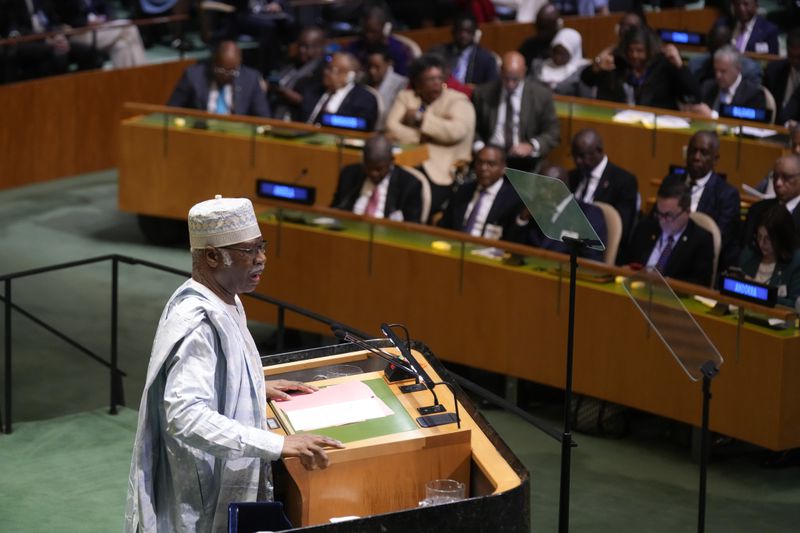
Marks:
<point>525,230</point>
<point>377,187</point>
<point>786,181</point>
<point>596,179</point>
<point>702,65</point>
<point>19,18</point>
<point>765,186</point>
<point>380,75</point>
<point>670,241</point>
<point>268,21</point>
<point>430,113</point>
<point>467,61</point>
<point>728,85</point>
<point>782,78</point>
<point>752,32</point>
<point>301,75</point>
<point>711,194</point>
<point>222,86</point>
<point>376,30</point>
<point>548,22</point>
<point>123,44</point>
<point>774,258</point>
<point>562,70</point>
<point>516,113</point>
<point>340,94</point>
<point>644,75</point>
<point>487,205</point>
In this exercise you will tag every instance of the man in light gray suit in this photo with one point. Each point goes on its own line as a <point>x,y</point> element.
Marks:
<point>382,77</point>
<point>517,113</point>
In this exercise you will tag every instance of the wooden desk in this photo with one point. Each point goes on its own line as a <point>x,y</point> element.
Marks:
<point>512,320</point>
<point>387,473</point>
<point>164,169</point>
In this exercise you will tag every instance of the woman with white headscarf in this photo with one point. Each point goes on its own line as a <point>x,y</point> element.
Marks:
<point>561,71</point>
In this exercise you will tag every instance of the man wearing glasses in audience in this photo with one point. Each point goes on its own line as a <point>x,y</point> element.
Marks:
<point>222,86</point>
<point>786,181</point>
<point>670,241</point>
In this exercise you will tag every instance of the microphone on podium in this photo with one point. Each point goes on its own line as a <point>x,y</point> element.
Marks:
<point>397,370</point>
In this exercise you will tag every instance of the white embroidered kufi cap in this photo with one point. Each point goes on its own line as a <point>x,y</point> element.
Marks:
<point>222,222</point>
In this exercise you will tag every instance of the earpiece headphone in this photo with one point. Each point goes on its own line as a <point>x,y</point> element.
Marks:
<point>387,28</point>
<point>477,37</point>
<point>351,76</point>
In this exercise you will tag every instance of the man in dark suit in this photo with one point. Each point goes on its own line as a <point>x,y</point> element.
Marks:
<point>525,230</point>
<point>341,94</point>
<point>222,86</point>
<point>468,62</point>
<point>516,113</point>
<point>702,65</point>
<point>728,85</point>
<point>752,32</point>
<point>377,187</point>
<point>711,194</point>
<point>596,179</point>
<point>786,180</point>
<point>782,77</point>
<point>548,22</point>
<point>670,242</point>
<point>484,207</point>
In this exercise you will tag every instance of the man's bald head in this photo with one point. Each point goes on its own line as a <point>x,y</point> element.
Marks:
<point>513,70</point>
<point>227,61</point>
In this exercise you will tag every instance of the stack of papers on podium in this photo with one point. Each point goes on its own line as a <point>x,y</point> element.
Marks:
<point>345,403</point>
<point>649,120</point>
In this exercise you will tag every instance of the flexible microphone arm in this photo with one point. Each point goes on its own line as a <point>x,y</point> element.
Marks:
<point>406,351</point>
<point>344,335</point>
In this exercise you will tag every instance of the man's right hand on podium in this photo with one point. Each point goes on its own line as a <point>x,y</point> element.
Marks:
<point>309,448</point>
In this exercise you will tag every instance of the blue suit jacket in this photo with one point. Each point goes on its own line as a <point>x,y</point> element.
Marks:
<point>192,91</point>
<point>763,32</point>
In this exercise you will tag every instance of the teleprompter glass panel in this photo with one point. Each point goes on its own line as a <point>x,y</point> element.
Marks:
<point>553,207</point>
<point>677,328</point>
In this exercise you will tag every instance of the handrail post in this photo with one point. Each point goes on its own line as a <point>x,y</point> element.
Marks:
<point>7,428</point>
<point>281,327</point>
<point>116,379</point>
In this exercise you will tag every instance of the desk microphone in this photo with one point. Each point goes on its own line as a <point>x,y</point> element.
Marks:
<point>302,174</point>
<point>345,335</point>
<point>406,351</point>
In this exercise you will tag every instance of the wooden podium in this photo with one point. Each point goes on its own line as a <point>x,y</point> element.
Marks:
<point>380,476</point>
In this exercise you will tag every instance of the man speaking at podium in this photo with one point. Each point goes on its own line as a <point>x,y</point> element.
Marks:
<point>202,440</point>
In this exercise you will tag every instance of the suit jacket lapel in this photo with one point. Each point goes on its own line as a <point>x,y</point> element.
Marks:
<point>524,111</point>
<point>492,122</point>
<point>392,194</point>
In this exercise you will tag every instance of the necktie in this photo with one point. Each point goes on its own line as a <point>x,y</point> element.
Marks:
<point>585,194</point>
<point>661,265</point>
<point>222,106</point>
<point>740,44</point>
<point>473,215</point>
<point>372,205</point>
<point>323,101</point>
<point>508,127</point>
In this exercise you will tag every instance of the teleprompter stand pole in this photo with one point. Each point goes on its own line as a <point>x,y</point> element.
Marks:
<point>709,370</point>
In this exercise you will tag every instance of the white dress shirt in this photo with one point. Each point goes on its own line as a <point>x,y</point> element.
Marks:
<point>498,136</point>
<point>586,189</point>
<point>485,207</point>
<point>747,30</point>
<point>697,190</point>
<point>213,95</point>
<point>791,205</point>
<point>332,104</point>
<point>360,207</point>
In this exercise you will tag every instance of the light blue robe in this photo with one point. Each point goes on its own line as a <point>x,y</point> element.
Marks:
<point>202,440</point>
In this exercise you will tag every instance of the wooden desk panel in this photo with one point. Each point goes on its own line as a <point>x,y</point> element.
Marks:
<point>513,321</point>
<point>163,172</point>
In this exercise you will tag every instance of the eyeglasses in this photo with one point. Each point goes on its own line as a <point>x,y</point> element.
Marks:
<point>222,71</point>
<point>252,252</point>
<point>784,177</point>
<point>670,217</point>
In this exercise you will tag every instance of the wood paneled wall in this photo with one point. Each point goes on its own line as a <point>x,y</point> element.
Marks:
<point>67,125</point>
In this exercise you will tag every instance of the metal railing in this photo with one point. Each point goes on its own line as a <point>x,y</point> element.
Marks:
<point>116,391</point>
